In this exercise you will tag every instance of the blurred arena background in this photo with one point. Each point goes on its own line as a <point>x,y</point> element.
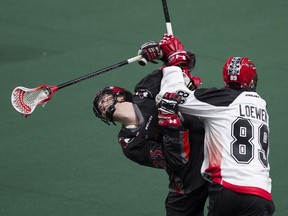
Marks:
<point>61,161</point>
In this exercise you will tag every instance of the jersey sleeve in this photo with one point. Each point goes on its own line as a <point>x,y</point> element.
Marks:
<point>172,79</point>
<point>149,86</point>
<point>141,150</point>
<point>176,147</point>
<point>170,150</point>
<point>198,102</point>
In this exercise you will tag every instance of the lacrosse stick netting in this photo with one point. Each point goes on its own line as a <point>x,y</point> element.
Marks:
<point>25,100</point>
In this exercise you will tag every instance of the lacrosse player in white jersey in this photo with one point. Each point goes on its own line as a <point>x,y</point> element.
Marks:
<point>236,134</point>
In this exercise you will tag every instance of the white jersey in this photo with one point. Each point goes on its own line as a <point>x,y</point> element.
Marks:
<point>236,133</point>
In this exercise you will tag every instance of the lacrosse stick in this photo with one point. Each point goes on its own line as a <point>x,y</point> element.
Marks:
<point>167,17</point>
<point>143,61</point>
<point>25,100</point>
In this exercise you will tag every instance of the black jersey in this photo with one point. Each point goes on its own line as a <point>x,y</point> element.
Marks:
<point>147,145</point>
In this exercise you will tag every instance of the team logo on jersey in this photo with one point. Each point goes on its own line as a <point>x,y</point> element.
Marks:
<point>144,94</point>
<point>178,183</point>
<point>124,141</point>
<point>234,68</point>
<point>158,158</point>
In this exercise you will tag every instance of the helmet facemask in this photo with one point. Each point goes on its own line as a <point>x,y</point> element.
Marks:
<point>105,101</point>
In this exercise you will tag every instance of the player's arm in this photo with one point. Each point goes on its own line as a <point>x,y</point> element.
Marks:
<point>172,80</point>
<point>175,138</point>
<point>141,150</point>
<point>170,150</point>
<point>178,64</point>
<point>176,146</point>
<point>172,53</point>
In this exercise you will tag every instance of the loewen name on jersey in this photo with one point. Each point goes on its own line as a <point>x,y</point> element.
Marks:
<point>253,112</point>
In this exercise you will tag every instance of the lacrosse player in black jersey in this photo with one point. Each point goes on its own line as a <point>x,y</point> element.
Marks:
<point>156,137</point>
<point>236,145</point>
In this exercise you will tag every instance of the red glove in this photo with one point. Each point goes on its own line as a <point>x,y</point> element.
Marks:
<point>174,51</point>
<point>175,54</point>
<point>168,110</point>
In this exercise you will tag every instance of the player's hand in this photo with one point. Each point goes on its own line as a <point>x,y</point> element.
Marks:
<point>150,51</point>
<point>168,110</point>
<point>174,52</point>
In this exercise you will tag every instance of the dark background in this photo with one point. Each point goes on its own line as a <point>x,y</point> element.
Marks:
<point>61,161</point>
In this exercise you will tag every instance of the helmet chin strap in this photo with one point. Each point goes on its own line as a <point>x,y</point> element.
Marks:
<point>109,113</point>
<point>111,110</point>
<point>253,83</point>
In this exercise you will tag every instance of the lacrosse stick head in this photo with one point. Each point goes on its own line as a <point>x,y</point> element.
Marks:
<point>25,100</point>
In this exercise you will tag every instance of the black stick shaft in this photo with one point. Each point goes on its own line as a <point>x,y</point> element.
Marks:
<point>167,17</point>
<point>166,12</point>
<point>98,72</point>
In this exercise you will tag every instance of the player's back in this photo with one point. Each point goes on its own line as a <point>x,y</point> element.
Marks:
<point>236,140</point>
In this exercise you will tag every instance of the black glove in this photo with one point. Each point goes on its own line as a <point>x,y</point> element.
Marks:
<point>150,51</point>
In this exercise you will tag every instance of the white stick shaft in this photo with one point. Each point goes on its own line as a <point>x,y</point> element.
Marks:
<point>133,59</point>
<point>169,28</point>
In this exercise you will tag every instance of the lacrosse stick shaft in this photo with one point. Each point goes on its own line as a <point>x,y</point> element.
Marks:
<point>143,61</point>
<point>95,73</point>
<point>25,100</point>
<point>167,17</point>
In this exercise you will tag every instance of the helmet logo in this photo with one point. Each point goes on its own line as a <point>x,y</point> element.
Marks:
<point>234,68</point>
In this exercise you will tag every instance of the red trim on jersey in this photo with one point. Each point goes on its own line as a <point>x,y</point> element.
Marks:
<point>186,144</point>
<point>244,189</point>
<point>214,171</point>
<point>216,177</point>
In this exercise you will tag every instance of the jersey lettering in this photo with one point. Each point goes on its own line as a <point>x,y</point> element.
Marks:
<point>253,112</point>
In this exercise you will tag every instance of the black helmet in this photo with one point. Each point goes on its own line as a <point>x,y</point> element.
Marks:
<point>115,92</point>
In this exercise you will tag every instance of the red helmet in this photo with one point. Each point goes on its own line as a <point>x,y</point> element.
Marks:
<point>239,72</point>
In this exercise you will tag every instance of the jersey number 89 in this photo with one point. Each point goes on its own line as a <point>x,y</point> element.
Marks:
<point>242,147</point>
